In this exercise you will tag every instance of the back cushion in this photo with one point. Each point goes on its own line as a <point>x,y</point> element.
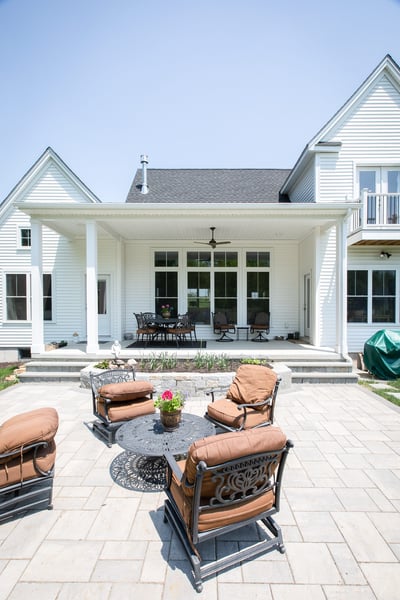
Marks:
<point>126,390</point>
<point>27,428</point>
<point>252,383</point>
<point>221,448</point>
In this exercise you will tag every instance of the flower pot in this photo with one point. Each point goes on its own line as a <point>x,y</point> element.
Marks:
<point>170,419</point>
<point>166,315</point>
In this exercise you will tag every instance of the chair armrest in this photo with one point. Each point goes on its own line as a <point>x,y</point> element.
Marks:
<point>173,466</point>
<point>22,449</point>
<point>214,391</point>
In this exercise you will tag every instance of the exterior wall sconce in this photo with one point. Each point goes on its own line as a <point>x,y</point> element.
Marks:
<point>385,255</point>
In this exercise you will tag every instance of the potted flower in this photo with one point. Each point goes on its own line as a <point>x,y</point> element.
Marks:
<point>170,405</point>
<point>166,310</point>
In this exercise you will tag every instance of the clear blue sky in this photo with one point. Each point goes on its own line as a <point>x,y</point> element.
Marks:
<point>192,83</point>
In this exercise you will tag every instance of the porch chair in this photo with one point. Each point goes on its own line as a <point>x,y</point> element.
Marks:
<point>118,398</point>
<point>248,403</point>
<point>144,330</point>
<point>227,482</point>
<point>27,458</point>
<point>181,330</point>
<point>261,326</point>
<point>222,326</point>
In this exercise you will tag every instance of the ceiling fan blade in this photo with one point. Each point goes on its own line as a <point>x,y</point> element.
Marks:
<point>204,243</point>
<point>218,243</point>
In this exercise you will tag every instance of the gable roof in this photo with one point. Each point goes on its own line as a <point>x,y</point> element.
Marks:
<point>387,66</point>
<point>47,158</point>
<point>208,185</point>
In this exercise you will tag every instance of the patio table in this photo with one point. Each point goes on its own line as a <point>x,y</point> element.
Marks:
<point>142,467</point>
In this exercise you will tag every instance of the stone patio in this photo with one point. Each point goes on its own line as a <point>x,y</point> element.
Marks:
<point>340,511</point>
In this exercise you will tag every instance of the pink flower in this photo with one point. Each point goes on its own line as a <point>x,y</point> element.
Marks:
<point>167,395</point>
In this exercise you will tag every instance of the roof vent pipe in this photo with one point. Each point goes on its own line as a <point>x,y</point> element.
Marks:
<point>144,159</point>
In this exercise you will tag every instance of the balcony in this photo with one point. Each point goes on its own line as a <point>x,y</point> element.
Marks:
<point>377,220</point>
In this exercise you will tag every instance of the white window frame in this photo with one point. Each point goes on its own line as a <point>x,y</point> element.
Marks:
<point>28,297</point>
<point>20,245</point>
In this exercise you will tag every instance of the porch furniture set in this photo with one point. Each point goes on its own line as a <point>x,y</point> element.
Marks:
<point>151,326</point>
<point>215,482</point>
<point>223,326</point>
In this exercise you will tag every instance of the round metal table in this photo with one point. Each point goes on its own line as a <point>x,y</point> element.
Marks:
<point>142,467</point>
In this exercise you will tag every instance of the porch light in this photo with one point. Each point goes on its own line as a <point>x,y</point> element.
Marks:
<point>384,255</point>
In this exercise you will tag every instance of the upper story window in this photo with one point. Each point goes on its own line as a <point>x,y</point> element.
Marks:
<point>24,237</point>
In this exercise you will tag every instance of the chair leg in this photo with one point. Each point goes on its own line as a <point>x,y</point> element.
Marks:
<point>224,338</point>
<point>260,337</point>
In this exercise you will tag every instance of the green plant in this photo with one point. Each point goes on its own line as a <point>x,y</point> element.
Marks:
<point>254,361</point>
<point>7,376</point>
<point>104,364</point>
<point>169,401</point>
<point>203,360</point>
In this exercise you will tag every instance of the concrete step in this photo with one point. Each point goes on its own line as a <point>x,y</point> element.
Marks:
<point>50,376</point>
<point>48,366</point>
<point>324,377</point>
<point>322,366</point>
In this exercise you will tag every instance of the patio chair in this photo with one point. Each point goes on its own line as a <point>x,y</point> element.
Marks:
<point>248,403</point>
<point>181,329</point>
<point>27,458</point>
<point>261,326</point>
<point>144,330</point>
<point>118,398</point>
<point>227,482</point>
<point>222,326</point>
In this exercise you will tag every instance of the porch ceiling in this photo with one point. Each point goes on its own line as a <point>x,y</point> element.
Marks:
<point>187,224</point>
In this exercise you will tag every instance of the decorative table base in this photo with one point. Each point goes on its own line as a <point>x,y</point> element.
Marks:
<point>138,473</point>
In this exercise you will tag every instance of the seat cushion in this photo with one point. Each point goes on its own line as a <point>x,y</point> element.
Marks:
<point>252,383</point>
<point>217,449</point>
<point>14,471</point>
<point>228,412</point>
<point>126,410</point>
<point>126,390</point>
<point>27,428</point>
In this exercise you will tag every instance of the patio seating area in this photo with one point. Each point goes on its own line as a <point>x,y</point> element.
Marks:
<point>339,512</point>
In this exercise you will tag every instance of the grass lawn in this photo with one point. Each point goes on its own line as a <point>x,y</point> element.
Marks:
<point>392,386</point>
<point>6,371</point>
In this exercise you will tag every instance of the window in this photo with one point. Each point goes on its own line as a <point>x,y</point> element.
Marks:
<point>371,296</point>
<point>18,297</point>
<point>225,294</point>
<point>383,202</point>
<point>357,296</point>
<point>383,296</point>
<point>199,296</point>
<point>166,280</point>
<point>166,259</point>
<point>258,294</point>
<point>24,237</point>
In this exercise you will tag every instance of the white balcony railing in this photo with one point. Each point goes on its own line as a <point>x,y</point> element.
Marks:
<point>377,210</point>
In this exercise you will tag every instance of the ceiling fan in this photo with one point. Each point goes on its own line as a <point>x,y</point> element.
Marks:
<point>213,243</point>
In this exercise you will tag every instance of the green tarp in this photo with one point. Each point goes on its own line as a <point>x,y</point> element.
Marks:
<point>382,354</point>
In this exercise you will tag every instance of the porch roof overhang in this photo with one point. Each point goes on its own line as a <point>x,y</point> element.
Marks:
<point>185,223</point>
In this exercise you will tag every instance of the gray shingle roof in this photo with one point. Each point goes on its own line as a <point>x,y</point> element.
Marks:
<point>209,185</point>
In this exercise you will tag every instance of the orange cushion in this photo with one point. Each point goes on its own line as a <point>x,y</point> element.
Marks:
<point>28,428</point>
<point>126,390</point>
<point>125,411</point>
<point>221,448</point>
<point>252,383</point>
<point>231,414</point>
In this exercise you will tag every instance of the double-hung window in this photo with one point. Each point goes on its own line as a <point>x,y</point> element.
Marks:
<point>18,297</point>
<point>371,296</point>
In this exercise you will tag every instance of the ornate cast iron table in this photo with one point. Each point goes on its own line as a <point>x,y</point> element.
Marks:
<point>142,467</point>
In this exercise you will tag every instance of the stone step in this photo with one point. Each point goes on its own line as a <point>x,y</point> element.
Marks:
<point>322,366</point>
<point>50,376</point>
<point>49,366</point>
<point>324,377</point>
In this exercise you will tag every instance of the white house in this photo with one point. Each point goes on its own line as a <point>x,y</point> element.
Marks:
<point>316,246</point>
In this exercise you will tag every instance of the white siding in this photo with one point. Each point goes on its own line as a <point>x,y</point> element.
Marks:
<point>52,185</point>
<point>370,134</point>
<point>304,188</point>
<point>327,288</point>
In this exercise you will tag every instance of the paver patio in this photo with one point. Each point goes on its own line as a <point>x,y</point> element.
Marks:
<point>340,511</point>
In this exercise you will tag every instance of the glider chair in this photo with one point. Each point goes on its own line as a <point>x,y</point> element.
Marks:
<point>227,481</point>
<point>261,326</point>
<point>248,403</point>
<point>27,458</point>
<point>222,326</point>
<point>118,398</point>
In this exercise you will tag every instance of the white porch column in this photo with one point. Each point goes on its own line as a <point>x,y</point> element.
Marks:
<point>341,287</point>
<point>92,323</point>
<point>37,288</point>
